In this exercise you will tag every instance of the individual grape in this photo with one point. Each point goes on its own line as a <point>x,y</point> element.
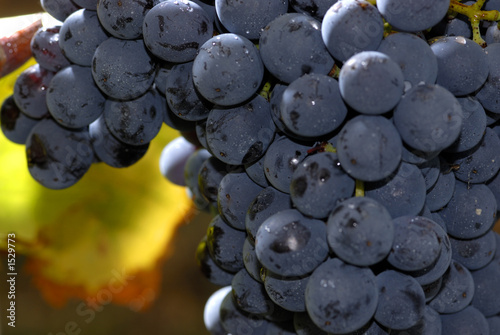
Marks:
<point>311,106</point>
<point>480,164</point>
<point>417,243</point>
<point>124,19</point>
<point>250,260</point>
<point>248,18</point>
<point>401,300</point>
<point>73,98</point>
<point>475,253</point>
<point>288,60</point>
<point>369,147</point>
<point>471,212</point>
<point>136,121</point>
<point>462,64</point>
<point>305,326</point>
<point>30,89</point>
<point>211,311</point>
<point>80,35</point>
<point>161,77</point>
<point>175,122</point>
<point>112,151</point>
<point>488,93</point>
<point>59,9</point>
<point>46,50</point>
<point>228,69</point>
<point>268,202</point>
<point>486,288</point>
<point>123,69</point>
<point>241,134</point>
<point>430,171</point>
<point>428,117</point>
<point>473,127</point>
<point>225,244</point>
<point>174,30</point>
<point>432,289</point>
<point>250,295</point>
<point>236,321</point>
<point>314,8</point>
<point>350,27</point>
<point>442,191</point>
<point>341,298</point>
<point>402,193</point>
<point>209,268</point>
<point>430,324</point>
<point>318,184</point>
<point>436,270</point>
<point>492,34</point>
<point>15,125</point>
<point>210,174</point>
<point>236,192</point>
<point>468,321</point>
<point>191,169</point>
<point>413,15</point>
<point>413,55</point>
<point>173,160</point>
<point>58,157</point>
<point>377,76</point>
<point>281,159</point>
<point>286,292</point>
<point>360,231</point>
<point>456,290</point>
<point>182,98</point>
<point>290,244</point>
<point>255,171</point>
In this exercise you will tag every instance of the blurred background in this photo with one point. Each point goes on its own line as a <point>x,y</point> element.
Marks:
<point>175,294</point>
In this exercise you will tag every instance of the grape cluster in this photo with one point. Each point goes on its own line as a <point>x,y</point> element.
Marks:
<point>349,150</point>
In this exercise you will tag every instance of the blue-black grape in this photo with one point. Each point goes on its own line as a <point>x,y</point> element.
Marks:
<point>428,118</point>
<point>314,8</point>
<point>250,260</point>
<point>236,321</point>
<point>286,292</point>
<point>401,300</point>
<point>369,147</point>
<point>182,98</point>
<point>430,324</point>
<point>430,171</point>
<point>413,55</point>
<point>46,50</point>
<point>15,125</point>
<point>287,60</point>
<point>112,151</point>
<point>210,174</point>
<point>209,268</point>
<point>72,97</point>
<point>228,69</point>
<point>318,184</point>
<point>360,231</point>
<point>236,192</point>
<point>135,121</point>
<point>124,19</point>
<point>462,64</point>
<point>456,291</point>
<point>191,169</point>
<point>402,193</point>
<point>441,192</point>
<point>58,157</point>
<point>311,106</point>
<point>174,30</point>
<point>371,82</point>
<point>350,27</point>
<point>241,134</point>
<point>268,202</point>
<point>417,243</point>
<point>341,298</point>
<point>475,253</point>
<point>59,9</point>
<point>486,288</point>
<point>123,69</point>
<point>249,294</point>
<point>80,35</point>
<point>255,171</point>
<point>30,89</point>
<point>248,18</point>
<point>471,212</point>
<point>290,244</point>
<point>413,15</point>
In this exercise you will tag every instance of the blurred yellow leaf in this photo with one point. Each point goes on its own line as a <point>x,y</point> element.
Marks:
<point>113,226</point>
